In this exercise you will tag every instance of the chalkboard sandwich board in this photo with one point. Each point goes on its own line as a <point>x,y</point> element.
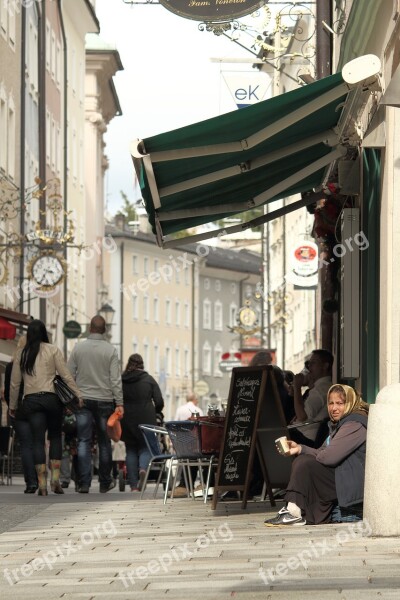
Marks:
<point>239,442</point>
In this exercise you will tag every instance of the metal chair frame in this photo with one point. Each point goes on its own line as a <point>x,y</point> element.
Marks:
<point>186,442</point>
<point>7,454</point>
<point>157,461</point>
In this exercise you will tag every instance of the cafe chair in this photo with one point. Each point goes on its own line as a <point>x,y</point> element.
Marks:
<point>7,435</point>
<point>186,438</point>
<point>158,461</point>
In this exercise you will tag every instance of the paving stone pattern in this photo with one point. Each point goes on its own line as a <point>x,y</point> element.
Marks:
<point>114,546</point>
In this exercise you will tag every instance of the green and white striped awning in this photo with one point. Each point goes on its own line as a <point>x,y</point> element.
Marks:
<point>229,164</point>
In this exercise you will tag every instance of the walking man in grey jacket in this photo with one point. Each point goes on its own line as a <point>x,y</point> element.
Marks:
<point>95,366</point>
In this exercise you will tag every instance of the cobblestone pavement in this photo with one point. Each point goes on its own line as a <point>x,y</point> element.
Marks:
<point>114,546</point>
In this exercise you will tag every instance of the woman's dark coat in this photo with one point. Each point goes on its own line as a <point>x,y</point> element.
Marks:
<point>142,400</point>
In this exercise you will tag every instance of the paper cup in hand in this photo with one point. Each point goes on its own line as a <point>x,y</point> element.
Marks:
<point>282,445</point>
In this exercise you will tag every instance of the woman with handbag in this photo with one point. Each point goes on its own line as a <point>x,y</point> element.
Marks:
<point>37,365</point>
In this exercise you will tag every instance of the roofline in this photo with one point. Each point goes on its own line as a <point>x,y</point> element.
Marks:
<point>116,99</point>
<point>107,51</point>
<point>93,14</point>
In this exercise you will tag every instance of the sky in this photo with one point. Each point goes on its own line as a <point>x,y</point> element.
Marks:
<point>168,81</point>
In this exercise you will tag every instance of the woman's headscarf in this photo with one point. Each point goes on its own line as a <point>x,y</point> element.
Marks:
<point>353,403</point>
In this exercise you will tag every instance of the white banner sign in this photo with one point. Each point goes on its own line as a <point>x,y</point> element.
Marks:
<point>247,88</point>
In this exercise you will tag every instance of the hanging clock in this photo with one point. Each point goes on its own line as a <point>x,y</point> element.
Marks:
<point>247,316</point>
<point>47,270</point>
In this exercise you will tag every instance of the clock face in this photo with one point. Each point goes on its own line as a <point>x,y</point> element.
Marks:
<point>47,271</point>
<point>247,316</point>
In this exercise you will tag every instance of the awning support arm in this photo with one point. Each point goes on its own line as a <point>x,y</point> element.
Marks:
<point>167,242</point>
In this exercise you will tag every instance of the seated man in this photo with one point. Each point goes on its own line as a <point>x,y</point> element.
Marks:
<point>312,405</point>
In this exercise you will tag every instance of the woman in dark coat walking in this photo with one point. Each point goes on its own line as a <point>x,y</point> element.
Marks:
<point>142,400</point>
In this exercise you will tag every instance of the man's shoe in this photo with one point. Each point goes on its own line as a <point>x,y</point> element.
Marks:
<point>30,489</point>
<point>107,488</point>
<point>83,489</point>
<point>179,492</point>
<point>64,484</point>
<point>284,517</point>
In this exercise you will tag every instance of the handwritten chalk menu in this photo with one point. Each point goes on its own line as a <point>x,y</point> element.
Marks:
<point>238,446</point>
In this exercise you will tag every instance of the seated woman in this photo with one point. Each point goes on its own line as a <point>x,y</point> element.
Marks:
<point>334,473</point>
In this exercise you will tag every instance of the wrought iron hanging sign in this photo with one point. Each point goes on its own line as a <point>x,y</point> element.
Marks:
<point>211,10</point>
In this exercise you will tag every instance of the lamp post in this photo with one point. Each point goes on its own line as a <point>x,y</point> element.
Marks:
<point>107,312</point>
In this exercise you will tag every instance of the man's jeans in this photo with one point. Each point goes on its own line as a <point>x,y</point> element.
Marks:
<point>96,411</point>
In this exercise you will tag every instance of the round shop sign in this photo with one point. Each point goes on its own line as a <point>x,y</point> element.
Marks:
<point>212,10</point>
<point>304,264</point>
<point>201,388</point>
<point>72,329</point>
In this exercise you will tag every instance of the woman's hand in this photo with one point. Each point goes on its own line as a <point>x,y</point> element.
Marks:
<point>11,412</point>
<point>294,448</point>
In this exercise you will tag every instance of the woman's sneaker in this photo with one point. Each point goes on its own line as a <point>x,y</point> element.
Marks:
<point>284,518</point>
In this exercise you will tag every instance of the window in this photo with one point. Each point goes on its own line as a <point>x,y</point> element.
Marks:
<point>48,45</point>
<point>217,359</point>
<point>134,345</point>
<point>156,309</point>
<point>145,266</point>
<point>53,56</point>
<point>168,311</point>
<point>233,288</point>
<point>156,357</point>
<point>206,359</point>
<point>58,64</point>
<point>187,275</point>
<point>135,307</point>
<point>58,151</point>
<point>156,265</point>
<point>53,145</point>
<point>11,26</point>
<point>168,360</point>
<point>11,138</point>
<point>206,283</point>
<point>135,264</point>
<point>146,308</point>
<point>186,362</point>
<point>177,313</point>
<point>177,361</point>
<point>232,315</point>
<point>48,137</point>
<point>218,316</point>
<point>186,316</point>
<point>146,356</point>
<point>3,128</point>
<point>32,59</point>
<point>206,314</point>
<point>217,285</point>
<point>3,19</point>
<point>73,71</point>
<point>177,274</point>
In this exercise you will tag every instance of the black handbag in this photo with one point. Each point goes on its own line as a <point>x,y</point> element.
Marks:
<point>66,396</point>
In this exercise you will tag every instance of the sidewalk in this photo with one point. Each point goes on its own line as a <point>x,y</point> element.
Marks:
<point>106,546</point>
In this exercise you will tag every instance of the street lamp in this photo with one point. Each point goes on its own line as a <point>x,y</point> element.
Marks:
<point>107,312</point>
